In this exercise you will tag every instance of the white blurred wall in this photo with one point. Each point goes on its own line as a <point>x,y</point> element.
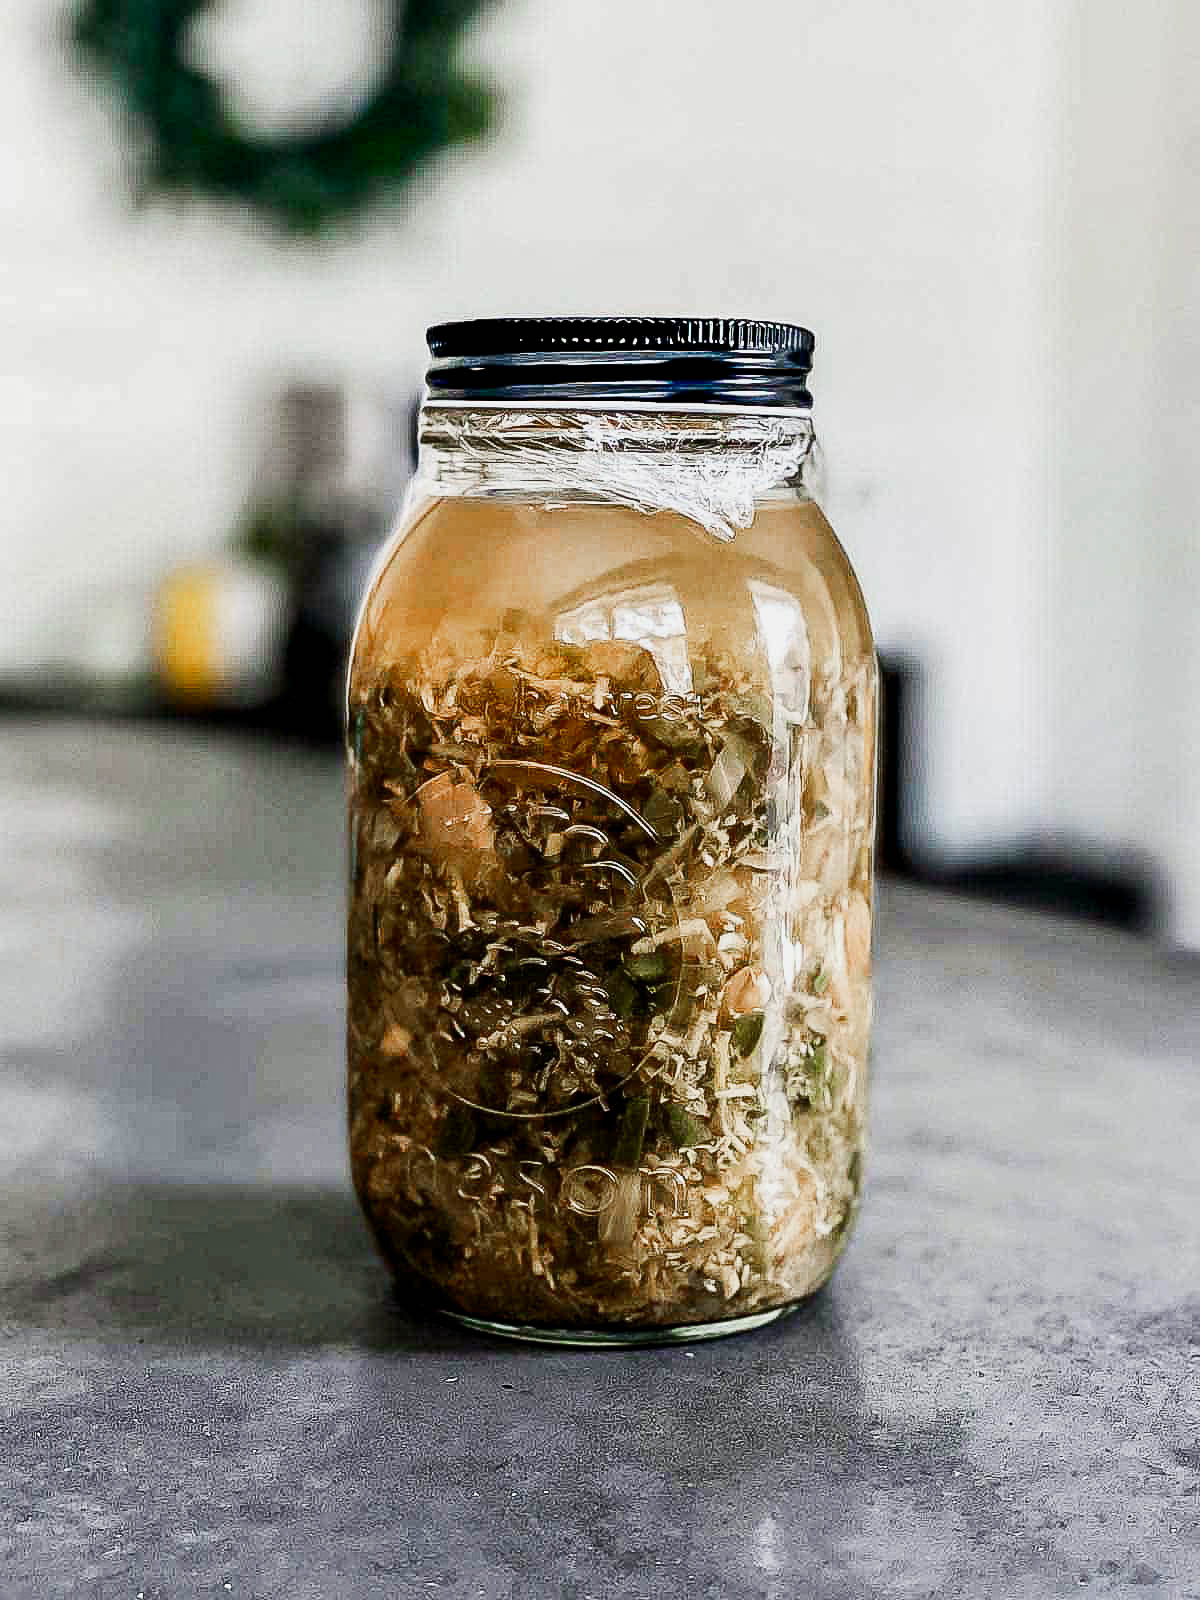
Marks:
<point>986,212</point>
<point>1124,444</point>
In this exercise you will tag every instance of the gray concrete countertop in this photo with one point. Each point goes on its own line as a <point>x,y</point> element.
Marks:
<point>209,1387</point>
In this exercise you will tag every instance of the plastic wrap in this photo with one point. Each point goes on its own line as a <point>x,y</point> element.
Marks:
<point>709,467</point>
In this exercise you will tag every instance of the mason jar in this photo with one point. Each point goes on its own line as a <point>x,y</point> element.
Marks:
<point>612,727</point>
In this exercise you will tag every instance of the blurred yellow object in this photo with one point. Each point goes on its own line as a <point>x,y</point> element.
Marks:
<point>186,638</point>
<point>220,630</point>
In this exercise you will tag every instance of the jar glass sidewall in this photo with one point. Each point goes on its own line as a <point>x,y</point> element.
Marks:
<point>612,815</point>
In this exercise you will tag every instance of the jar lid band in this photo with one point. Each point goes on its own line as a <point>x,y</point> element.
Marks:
<point>652,360</point>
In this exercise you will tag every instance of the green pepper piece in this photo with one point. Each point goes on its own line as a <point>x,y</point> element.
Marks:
<point>755,707</point>
<point>854,1176</point>
<point>459,975</point>
<point>747,1031</point>
<point>678,737</point>
<point>622,996</point>
<point>647,968</point>
<point>854,1171</point>
<point>663,812</point>
<point>631,1133</point>
<point>684,1129</point>
<point>456,1136</point>
<point>820,981</point>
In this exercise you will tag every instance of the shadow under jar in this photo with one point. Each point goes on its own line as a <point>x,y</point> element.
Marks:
<point>612,723</point>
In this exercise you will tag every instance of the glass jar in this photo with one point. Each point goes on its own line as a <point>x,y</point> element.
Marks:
<point>612,723</point>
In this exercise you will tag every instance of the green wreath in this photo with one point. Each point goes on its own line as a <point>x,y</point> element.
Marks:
<point>423,103</point>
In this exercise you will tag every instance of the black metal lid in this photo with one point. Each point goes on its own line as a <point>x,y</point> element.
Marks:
<point>658,360</point>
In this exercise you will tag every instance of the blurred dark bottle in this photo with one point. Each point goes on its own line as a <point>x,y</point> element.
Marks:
<point>332,470</point>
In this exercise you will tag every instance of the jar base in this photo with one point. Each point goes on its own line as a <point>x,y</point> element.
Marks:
<point>593,1338</point>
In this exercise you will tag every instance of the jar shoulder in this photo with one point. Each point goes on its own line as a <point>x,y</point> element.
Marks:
<point>596,570</point>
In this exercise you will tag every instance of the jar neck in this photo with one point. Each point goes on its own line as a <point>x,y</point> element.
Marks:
<point>710,466</point>
<point>472,441</point>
